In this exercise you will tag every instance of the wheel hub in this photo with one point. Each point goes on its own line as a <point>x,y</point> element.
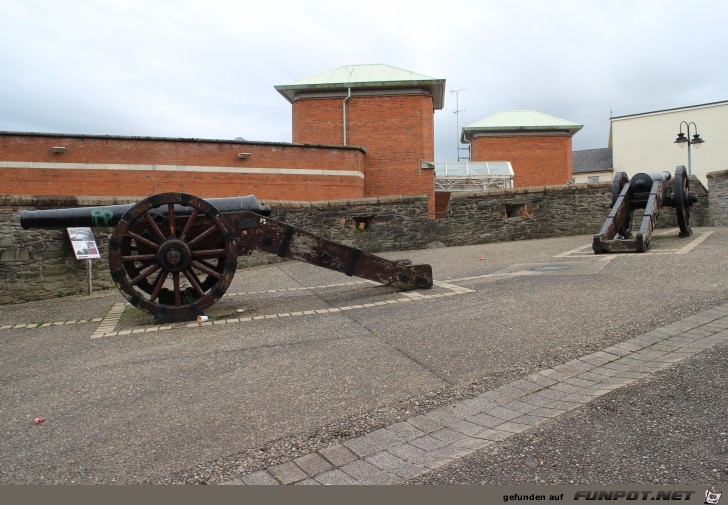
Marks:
<point>174,255</point>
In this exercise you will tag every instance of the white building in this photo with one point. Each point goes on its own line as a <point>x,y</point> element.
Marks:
<point>646,142</point>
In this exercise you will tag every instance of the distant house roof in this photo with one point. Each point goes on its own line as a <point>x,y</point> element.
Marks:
<point>664,111</point>
<point>592,160</point>
<point>365,77</point>
<point>519,121</point>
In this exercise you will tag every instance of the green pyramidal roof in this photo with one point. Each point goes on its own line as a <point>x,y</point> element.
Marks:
<point>512,121</point>
<point>364,76</point>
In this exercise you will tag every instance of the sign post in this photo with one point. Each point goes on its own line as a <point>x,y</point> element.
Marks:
<point>85,248</point>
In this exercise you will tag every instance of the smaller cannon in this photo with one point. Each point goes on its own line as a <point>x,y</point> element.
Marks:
<point>174,254</point>
<point>651,192</point>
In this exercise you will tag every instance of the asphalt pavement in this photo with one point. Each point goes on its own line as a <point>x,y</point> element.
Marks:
<point>528,362</point>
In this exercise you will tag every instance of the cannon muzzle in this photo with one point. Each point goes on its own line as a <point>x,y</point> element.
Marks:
<point>642,182</point>
<point>110,215</point>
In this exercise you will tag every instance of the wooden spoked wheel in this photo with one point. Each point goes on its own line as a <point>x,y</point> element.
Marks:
<point>620,181</point>
<point>683,200</point>
<point>173,255</point>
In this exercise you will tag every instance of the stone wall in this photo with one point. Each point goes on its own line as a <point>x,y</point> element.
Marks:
<point>718,183</point>
<point>39,264</point>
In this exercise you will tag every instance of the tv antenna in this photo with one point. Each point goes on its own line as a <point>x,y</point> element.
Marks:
<point>457,112</point>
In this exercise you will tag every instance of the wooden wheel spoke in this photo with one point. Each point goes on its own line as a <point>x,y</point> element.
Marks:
<point>190,222</point>
<point>139,257</point>
<point>207,270</point>
<point>158,285</point>
<point>194,281</point>
<point>202,235</point>
<point>171,218</point>
<point>143,240</point>
<point>153,226</point>
<point>177,293</point>
<point>209,253</point>
<point>144,274</point>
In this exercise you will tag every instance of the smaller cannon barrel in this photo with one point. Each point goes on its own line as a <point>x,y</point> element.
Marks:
<point>642,182</point>
<point>110,215</point>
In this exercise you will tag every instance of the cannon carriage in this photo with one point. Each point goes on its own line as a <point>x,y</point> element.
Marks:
<point>651,192</point>
<point>173,255</point>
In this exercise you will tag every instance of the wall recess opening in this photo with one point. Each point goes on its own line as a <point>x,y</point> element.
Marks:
<point>362,224</point>
<point>516,210</point>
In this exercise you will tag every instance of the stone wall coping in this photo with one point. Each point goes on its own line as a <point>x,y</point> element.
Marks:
<point>89,201</point>
<point>65,201</point>
<point>721,173</point>
<point>345,202</point>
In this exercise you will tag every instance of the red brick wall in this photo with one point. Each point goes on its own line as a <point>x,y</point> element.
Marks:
<point>536,160</point>
<point>30,178</point>
<point>397,132</point>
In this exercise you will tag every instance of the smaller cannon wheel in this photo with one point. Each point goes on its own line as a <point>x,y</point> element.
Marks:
<point>683,201</point>
<point>173,255</point>
<point>620,181</point>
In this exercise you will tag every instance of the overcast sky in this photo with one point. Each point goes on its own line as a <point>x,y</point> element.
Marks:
<point>206,68</point>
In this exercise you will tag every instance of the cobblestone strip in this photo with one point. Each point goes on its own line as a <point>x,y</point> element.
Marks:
<point>422,443</point>
<point>16,326</point>
<point>109,322</point>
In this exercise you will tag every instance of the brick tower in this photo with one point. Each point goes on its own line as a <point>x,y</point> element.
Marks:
<point>537,145</point>
<point>386,110</point>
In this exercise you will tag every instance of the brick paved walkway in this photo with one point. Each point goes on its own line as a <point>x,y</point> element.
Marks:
<point>404,450</point>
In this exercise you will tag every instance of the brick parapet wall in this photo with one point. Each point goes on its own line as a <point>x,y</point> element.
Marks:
<point>107,166</point>
<point>38,264</point>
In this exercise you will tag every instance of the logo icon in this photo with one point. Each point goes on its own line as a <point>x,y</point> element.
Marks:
<point>712,496</point>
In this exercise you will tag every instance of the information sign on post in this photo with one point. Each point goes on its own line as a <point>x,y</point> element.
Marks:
<point>84,247</point>
<point>84,243</point>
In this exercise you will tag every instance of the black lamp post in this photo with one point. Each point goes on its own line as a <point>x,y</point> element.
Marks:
<point>683,141</point>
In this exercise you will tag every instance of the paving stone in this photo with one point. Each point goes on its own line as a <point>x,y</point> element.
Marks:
<point>527,385</point>
<point>505,413</point>
<point>472,444</point>
<point>428,443</point>
<point>541,379</point>
<point>364,472</point>
<point>547,412</point>
<point>486,421</point>
<point>362,446</point>
<point>287,473</point>
<point>396,466</point>
<point>384,438</point>
<point>467,427</point>
<point>261,478</point>
<point>336,478</point>
<point>409,452</point>
<point>493,397</point>
<point>566,388</point>
<point>447,435</point>
<point>425,424</point>
<point>520,406</point>
<point>308,482</point>
<point>444,415</point>
<point>509,392</point>
<point>313,464</point>
<point>405,431</point>
<point>513,427</point>
<point>526,419</point>
<point>338,455</point>
<point>494,435</point>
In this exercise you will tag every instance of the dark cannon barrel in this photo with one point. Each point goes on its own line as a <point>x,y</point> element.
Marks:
<point>642,182</point>
<point>110,215</point>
